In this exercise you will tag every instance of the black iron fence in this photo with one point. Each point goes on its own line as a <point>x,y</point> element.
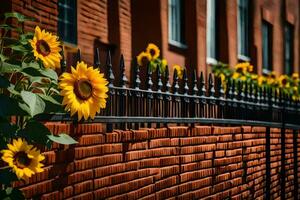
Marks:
<point>151,99</point>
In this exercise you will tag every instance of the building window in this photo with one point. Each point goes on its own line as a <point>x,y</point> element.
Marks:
<point>267,47</point>
<point>288,55</point>
<point>176,23</point>
<point>243,30</point>
<point>67,20</point>
<point>211,48</point>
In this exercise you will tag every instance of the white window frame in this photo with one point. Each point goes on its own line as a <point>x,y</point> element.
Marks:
<point>267,69</point>
<point>211,47</point>
<point>243,55</point>
<point>175,38</point>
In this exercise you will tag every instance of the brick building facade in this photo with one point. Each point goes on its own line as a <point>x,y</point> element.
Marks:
<point>127,26</point>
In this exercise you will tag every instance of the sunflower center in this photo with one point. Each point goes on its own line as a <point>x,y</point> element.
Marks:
<point>284,81</point>
<point>152,52</point>
<point>43,47</point>
<point>239,70</point>
<point>21,160</point>
<point>144,60</point>
<point>83,89</point>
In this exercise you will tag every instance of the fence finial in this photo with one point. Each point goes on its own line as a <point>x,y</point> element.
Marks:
<point>78,55</point>
<point>149,76</point>
<point>202,90</point>
<point>137,80</point>
<point>97,62</point>
<point>63,64</point>
<point>110,74</point>
<point>211,89</point>
<point>233,89</point>
<point>175,82</point>
<point>195,85</point>
<point>168,85</point>
<point>159,82</point>
<point>185,80</point>
<point>251,92</point>
<point>221,88</point>
<point>123,79</point>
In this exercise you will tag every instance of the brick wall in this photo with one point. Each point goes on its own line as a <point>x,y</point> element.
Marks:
<point>45,13</point>
<point>130,25</point>
<point>188,163</point>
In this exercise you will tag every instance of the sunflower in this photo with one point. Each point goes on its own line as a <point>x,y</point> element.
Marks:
<point>84,91</point>
<point>241,68</point>
<point>47,48</point>
<point>143,58</point>
<point>271,79</point>
<point>24,159</point>
<point>261,80</point>
<point>179,70</point>
<point>295,76</point>
<point>153,50</point>
<point>235,75</point>
<point>254,77</point>
<point>283,81</point>
<point>163,66</point>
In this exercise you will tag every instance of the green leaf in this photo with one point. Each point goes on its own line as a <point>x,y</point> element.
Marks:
<point>31,71</point>
<point>9,41</point>
<point>35,79</point>
<point>9,27</point>
<point>4,83</point>
<point>53,103</point>
<point>19,16</point>
<point>6,67</point>
<point>50,73</point>
<point>3,57</point>
<point>32,64</point>
<point>62,139</point>
<point>49,99</point>
<point>18,48</point>
<point>24,38</point>
<point>12,90</point>
<point>9,106</point>
<point>35,103</point>
<point>7,176</point>
<point>11,194</point>
<point>36,132</point>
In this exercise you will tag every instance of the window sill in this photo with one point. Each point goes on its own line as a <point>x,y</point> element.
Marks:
<point>266,71</point>
<point>211,61</point>
<point>243,58</point>
<point>177,44</point>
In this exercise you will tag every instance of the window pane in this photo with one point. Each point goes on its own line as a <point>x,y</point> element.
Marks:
<point>176,32</point>
<point>67,20</point>
<point>288,55</point>
<point>211,29</point>
<point>243,27</point>
<point>267,45</point>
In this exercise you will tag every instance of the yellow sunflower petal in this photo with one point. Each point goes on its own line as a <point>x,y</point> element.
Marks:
<point>46,47</point>
<point>82,90</point>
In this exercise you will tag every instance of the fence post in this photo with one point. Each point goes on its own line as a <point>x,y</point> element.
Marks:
<point>123,93</point>
<point>111,98</point>
<point>282,172</point>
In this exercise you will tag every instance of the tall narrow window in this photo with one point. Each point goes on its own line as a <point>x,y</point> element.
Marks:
<point>288,55</point>
<point>211,50</point>
<point>267,47</point>
<point>243,30</point>
<point>67,20</point>
<point>176,23</point>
